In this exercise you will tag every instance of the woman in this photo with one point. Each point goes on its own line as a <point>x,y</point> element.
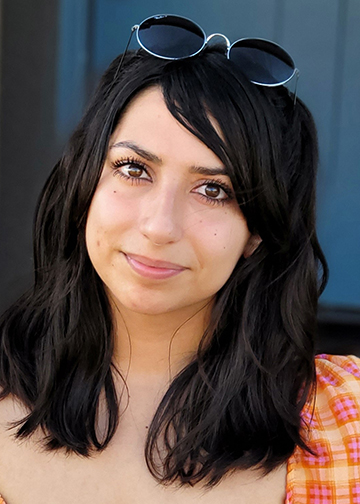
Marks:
<point>166,350</point>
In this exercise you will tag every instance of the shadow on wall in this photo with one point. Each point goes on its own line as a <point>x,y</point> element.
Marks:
<point>339,331</point>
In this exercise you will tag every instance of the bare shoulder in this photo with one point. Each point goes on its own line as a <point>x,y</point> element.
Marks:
<point>14,454</point>
<point>11,411</point>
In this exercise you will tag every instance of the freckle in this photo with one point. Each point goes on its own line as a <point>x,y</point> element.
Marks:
<point>114,192</point>
<point>215,234</point>
<point>98,243</point>
<point>146,426</point>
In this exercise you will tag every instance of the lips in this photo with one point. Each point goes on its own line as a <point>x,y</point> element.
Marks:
<point>153,268</point>
<point>154,263</point>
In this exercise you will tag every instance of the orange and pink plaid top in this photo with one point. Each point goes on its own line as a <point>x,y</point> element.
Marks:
<point>333,476</point>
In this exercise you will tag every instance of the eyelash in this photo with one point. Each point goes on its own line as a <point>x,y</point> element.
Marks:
<point>116,165</point>
<point>217,183</point>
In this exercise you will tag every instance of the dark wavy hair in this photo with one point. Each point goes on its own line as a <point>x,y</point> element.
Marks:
<point>237,404</point>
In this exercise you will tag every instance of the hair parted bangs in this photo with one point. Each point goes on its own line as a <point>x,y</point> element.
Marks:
<point>238,403</point>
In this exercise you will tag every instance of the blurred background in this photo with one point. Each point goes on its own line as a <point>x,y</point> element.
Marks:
<point>53,51</point>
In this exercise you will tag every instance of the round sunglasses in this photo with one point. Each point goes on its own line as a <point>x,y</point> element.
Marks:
<point>171,37</point>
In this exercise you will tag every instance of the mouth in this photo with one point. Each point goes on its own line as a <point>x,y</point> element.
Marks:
<point>153,268</point>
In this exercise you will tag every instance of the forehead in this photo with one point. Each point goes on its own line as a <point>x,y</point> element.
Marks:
<point>148,122</point>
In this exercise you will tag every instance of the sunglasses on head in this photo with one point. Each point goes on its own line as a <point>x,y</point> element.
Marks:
<point>175,38</point>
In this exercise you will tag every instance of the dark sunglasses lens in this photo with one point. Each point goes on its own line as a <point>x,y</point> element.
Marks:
<point>171,37</point>
<point>262,62</point>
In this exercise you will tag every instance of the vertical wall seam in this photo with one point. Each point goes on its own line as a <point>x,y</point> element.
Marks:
<point>337,94</point>
<point>1,84</point>
<point>73,65</point>
<point>90,41</point>
<point>279,18</point>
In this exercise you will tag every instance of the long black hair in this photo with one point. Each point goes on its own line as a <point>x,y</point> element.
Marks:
<point>238,403</point>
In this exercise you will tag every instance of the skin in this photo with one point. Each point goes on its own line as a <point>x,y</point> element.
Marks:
<point>165,211</point>
<point>159,321</point>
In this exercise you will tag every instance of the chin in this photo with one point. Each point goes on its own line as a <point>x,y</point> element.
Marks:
<point>146,305</point>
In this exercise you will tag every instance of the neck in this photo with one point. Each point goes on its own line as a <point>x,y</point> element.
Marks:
<point>158,346</point>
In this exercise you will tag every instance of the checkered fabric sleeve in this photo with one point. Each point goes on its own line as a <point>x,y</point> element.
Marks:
<point>333,475</point>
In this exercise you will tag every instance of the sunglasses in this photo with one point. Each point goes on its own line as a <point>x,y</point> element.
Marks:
<point>170,37</point>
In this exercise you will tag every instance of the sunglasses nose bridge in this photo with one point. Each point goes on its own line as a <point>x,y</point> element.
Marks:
<point>228,44</point>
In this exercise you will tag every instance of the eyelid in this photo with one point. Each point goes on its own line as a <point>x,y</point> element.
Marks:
<point>131,161</point>
<point>218,182</point>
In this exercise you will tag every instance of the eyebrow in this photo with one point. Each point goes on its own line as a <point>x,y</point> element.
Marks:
<point>149,156</point>
<point>202,170</point>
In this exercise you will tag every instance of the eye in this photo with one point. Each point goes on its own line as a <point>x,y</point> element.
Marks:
<point>132,169</point>
<point>215,191</point>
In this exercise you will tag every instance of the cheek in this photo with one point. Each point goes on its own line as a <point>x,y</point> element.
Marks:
<point>108,216</point>
<point>220,243</point>
<point>225,234</point>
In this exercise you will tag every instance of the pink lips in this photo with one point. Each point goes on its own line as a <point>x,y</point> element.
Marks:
<point>151,268</point>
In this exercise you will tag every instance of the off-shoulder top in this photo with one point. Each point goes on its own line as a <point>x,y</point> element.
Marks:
<point>332,427</point>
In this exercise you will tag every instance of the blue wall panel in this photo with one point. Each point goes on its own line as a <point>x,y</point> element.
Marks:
<point>339,213</point>
<point>73,60</point>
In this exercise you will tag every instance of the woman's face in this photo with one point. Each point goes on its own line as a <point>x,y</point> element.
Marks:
<point>164,231</point>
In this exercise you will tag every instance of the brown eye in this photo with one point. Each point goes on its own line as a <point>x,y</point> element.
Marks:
<point>215,192</point>
<point>131,170</point>
<point>134,171</point>
<point>212,191</point>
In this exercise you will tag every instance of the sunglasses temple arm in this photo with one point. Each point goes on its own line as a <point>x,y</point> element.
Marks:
<point>297,73</point>
<point>124,53</point>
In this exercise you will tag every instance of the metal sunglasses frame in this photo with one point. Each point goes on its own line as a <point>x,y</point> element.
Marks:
<point>229,46</point>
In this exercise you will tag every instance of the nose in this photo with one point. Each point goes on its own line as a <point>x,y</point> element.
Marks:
<point>161,216</point>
